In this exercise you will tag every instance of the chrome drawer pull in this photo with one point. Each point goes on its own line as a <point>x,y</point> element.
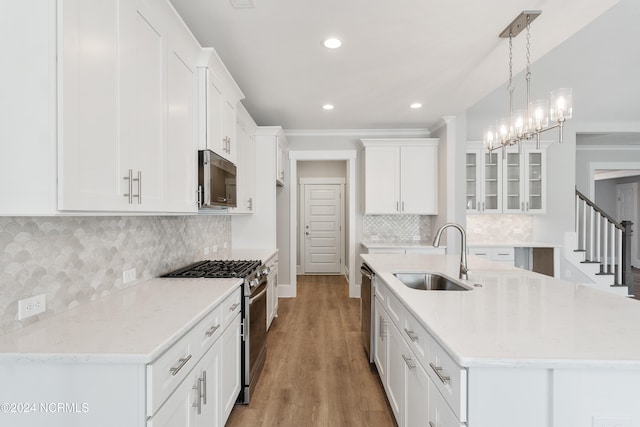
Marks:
<point>181,363</point>
<point>204,387</point>
<point>438,372</point>
<point>412,335</point>
<point>212,330</point>
<point>234,306</point>
<point>431,424</point>
<point>409,362</point>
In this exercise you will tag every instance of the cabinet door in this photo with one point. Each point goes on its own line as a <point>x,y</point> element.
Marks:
<point>209,371</point>
<point>230,373</point>
<point>473,169</point>
<point>534,181</point>
<point>279,162</point>
<point>440,414</point>
<point>142,102</point>
<point>213,113</point>
<point>179,408</point>
<point>491,182</point>
<point>246,176</point>
<point>88,147</point>
<point>419,180</point>
<point>182,86</point>
<point>396,348</point>
<point>513,191</point>
<point>229,134</point>
<point>382,180</point>
<point>380,350</point>
<point>417,394</point>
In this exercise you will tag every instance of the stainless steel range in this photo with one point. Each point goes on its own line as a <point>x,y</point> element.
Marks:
<point>254,311</point>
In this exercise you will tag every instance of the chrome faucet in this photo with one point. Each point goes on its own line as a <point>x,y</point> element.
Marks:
<point>464,270</point>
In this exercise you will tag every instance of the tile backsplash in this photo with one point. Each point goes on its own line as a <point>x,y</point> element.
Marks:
<point>396,228</point>
<point>499,228</point>
<point>74,260</point>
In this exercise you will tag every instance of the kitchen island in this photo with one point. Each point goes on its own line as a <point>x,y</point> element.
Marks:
<point>523,349</point>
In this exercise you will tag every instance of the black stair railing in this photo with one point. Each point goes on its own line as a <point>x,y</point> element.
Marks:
<point>604,240</point>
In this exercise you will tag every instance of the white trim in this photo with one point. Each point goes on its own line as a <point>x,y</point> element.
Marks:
<point>593,166</point>
<point>607,147</point>
<point>400,142</point>
<point>321,181</point>
<point>350,156</point>
<point>391,133</point>
<point>323,155</point>
<point>635,250</point>
<point>615,174</point>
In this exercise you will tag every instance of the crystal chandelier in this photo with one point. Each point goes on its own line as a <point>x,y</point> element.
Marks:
<point>528,123</point>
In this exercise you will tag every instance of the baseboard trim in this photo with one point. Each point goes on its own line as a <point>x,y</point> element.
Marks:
<point>286,291</point>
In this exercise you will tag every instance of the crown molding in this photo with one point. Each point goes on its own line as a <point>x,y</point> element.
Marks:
<point>360,133</point>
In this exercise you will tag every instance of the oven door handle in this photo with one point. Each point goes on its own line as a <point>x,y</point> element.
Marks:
<point>251,300</point>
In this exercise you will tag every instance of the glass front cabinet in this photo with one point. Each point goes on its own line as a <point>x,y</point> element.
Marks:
<point>509,182</point>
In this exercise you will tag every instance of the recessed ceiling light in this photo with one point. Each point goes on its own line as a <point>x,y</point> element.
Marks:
<point>332,43</point>
<point>416,105</point>
<point>327,107</point>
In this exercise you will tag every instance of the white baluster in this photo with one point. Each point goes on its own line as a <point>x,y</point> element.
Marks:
<point>605,239</point>
<point>592,216</point>
<point>598,222</point>
<point>584,225</point>
<point>619,272</point>
<point>613,248</point>
<point>578,217</point>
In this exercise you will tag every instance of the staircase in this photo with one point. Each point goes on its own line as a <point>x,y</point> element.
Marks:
<point>600,248</point>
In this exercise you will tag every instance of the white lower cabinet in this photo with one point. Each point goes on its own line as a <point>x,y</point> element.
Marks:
<point>272,289</point>
<point>424,386</point>
<point>230,381</point>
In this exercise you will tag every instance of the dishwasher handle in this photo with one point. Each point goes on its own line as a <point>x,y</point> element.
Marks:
<point>366,271</point>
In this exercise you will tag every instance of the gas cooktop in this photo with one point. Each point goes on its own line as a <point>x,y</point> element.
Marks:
<point>217,269</point>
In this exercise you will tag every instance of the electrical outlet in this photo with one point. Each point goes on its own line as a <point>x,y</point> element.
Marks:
<point>206,250</point>
<point>31,306</point>
<point>375,237</point>
<point>416,238</point>
<point>129,275</point>
<point>611,422</point>
<point>224,245</point>
<point>214,249</point>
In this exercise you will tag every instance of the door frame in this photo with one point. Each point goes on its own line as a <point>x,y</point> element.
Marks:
<point>301,209</point>
<point>350,218</point>
<point>634,243</point>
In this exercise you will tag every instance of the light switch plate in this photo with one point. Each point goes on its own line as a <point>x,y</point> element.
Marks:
<point>129,275</point>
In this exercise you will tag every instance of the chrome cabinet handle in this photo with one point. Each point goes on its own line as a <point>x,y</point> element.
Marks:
<point>130,193</point>
<point>139,196</point>
<point>412,335</point>
<point>431,424</point>
<point>382,327</point>
<point>409,362</point>
<point>198,402</point>
<point>234,306</point>
<point>181,362</point>
<point>212,330</point>
<point>250,203</point>
<point>204,387</point>
<point>402,206</point>
<point>438,370</point>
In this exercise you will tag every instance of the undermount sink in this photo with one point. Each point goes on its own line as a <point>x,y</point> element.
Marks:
<point>429,282</point>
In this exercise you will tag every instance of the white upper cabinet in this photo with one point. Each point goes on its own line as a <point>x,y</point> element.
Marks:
<point>513,183</point>
<point>182,120</point>
<point>246,171</point>
<point>401,176</point>
<point>127,107</point>
<point>218,107</point>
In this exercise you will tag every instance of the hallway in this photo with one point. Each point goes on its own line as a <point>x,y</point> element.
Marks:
<point>316,373</point>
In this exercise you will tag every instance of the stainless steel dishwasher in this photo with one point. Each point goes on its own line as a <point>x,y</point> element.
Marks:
<point>366,310</point>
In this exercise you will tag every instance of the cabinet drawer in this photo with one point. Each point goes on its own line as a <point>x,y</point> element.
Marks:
<point>395,309</point>
<point>207,332</point>
<point>449,378</point>
<point>440,415</point>
<point>381,292</point>
<point>502,254</point>
<point>231,306</point>
<point>417,337</point>
<point>481,252</point>
<point>165,373</point>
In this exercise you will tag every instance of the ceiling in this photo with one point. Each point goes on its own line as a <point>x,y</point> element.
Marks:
<point>445,54</point>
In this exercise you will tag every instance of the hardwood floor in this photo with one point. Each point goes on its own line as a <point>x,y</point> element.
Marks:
<point>316,373</point>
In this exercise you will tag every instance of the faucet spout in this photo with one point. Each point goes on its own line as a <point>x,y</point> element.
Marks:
<point>464,270</point>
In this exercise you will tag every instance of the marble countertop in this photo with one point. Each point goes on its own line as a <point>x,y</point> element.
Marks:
<point>413,244</point>
<point>518,318</point>
<point>513,245</point>
<point>132,325</point>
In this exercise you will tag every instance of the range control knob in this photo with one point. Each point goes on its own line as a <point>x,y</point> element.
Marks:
<point>266,270</point>
<point>254,283</point>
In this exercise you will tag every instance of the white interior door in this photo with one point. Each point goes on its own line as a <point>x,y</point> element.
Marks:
<point>627,210</point>
<point>322,228</point>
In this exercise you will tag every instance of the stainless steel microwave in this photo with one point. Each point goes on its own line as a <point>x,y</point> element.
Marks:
<point>216,181</point>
